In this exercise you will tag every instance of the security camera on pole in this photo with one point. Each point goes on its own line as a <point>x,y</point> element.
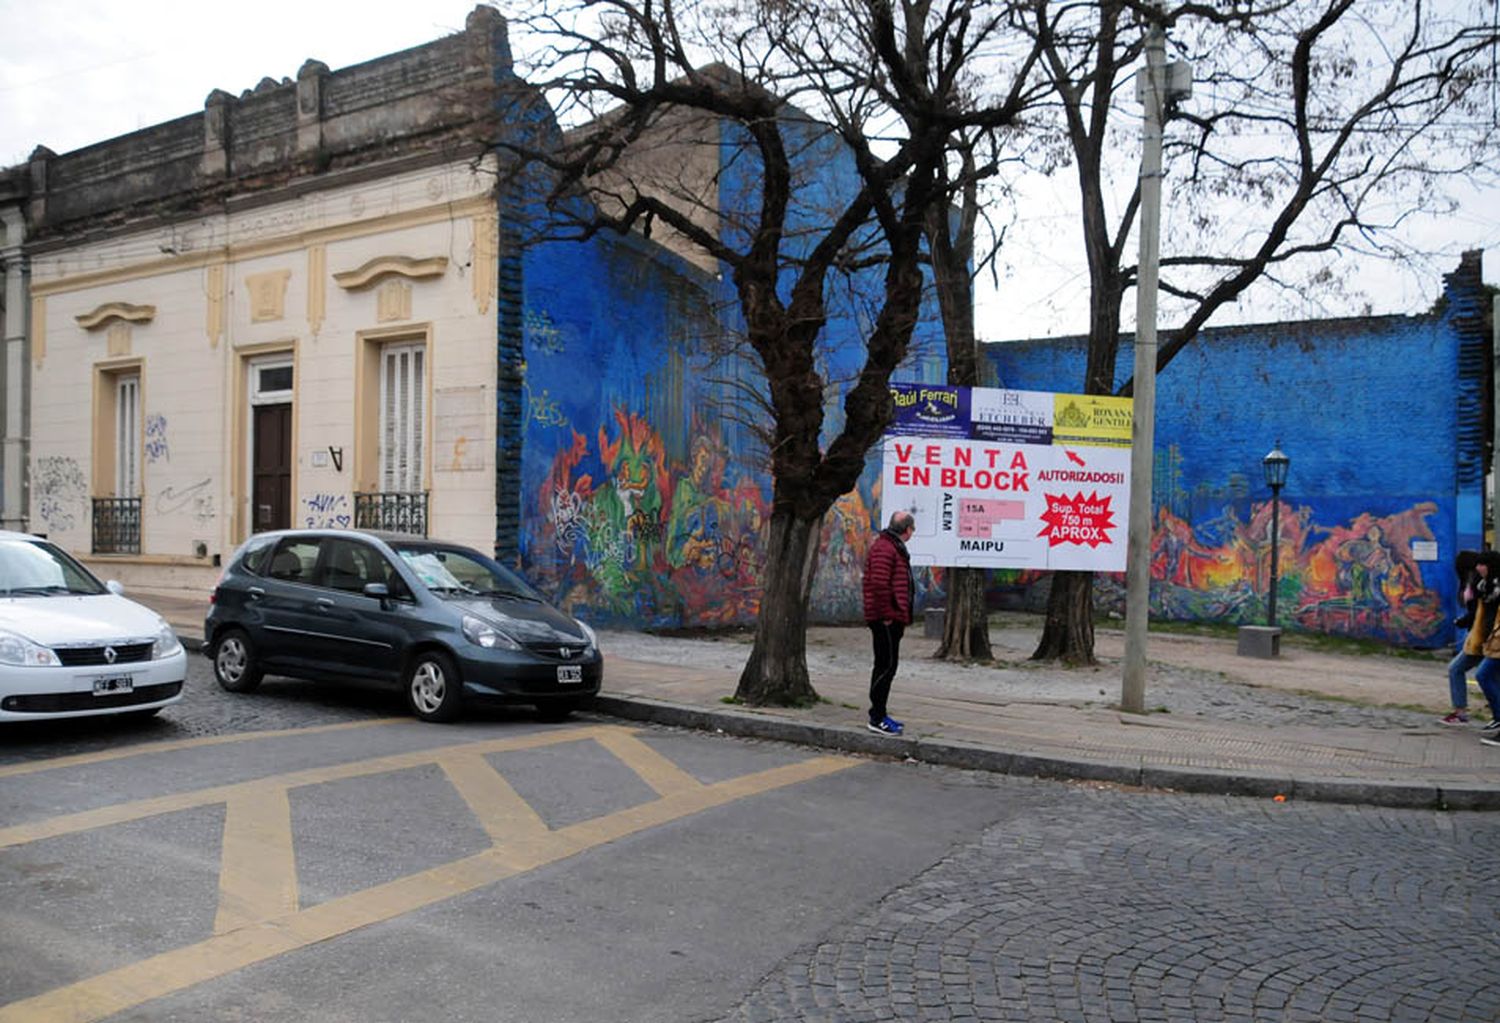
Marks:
<point>1156,86</point>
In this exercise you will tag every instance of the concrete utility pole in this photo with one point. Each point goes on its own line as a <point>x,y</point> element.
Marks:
<point>1154,87</point>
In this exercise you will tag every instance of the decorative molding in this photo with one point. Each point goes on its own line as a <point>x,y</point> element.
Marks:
<point>317,287</point>
<point>123,311</point>
<point>38,329</point>
<point>393,301</point>
<point>486,271</point>
<point>385,266</point>
<point>275,246</point>
<point>118,336</point>
<point>214,290</point>
<point>268,295</point>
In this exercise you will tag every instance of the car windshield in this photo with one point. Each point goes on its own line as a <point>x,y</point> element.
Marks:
<point>34,568</point>
<point>459,572</point>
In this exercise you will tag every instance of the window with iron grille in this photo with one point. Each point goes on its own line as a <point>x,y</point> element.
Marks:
<point>116,519</point>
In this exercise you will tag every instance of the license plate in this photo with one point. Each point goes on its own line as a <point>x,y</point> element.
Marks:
<point>113,684</point>
<point>570,673</point>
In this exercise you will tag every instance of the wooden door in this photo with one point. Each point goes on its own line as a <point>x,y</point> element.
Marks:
<point>271,490</point>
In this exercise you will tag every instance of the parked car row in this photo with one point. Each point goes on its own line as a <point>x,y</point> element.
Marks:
<point>444,622</point>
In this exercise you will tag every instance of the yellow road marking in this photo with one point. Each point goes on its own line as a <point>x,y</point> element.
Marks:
<point>145,749</point>
<point>258,870</point>
<point>654,769</point>
<point>502,813</point>
<point>88,820</point>
<point>651,767</point>
<point>128,986</point>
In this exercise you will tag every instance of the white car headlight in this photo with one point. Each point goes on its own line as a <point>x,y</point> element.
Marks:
<point>588,634</point>
<point>167,643</point>
<point>22,652</point>
<point>482,633</point>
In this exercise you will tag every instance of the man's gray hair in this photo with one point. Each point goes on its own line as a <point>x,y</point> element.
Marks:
<point>901,521</point>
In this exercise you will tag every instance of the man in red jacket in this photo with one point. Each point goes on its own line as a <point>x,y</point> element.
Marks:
<point>889,592</point>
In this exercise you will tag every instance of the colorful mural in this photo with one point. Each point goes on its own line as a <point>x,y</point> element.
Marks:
<point>627,535</point>
<point>1357,578</point>
<point>656,541</point>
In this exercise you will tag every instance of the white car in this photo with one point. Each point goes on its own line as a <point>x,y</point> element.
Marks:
<point>71,646</point>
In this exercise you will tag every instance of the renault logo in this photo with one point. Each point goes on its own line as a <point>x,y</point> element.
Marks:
<point>110,655</point>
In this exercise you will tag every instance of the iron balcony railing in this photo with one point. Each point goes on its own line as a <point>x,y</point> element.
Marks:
<point>117,525</point>
<point>394,511</point>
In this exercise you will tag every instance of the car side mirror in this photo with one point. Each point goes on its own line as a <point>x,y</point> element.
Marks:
<point>380,591</point>
<point>114,586</point>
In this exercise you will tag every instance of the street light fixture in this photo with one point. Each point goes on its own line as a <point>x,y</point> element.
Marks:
<point>1276,464</point>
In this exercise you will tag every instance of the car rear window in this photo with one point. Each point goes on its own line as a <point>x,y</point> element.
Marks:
<point>256,555</point>
<point>294,560</point>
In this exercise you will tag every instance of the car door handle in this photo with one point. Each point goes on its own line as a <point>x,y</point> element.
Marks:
<point>325,603</point>
<point>256,592</point>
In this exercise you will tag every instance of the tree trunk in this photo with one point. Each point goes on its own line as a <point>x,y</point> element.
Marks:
<point>1068,634</point>
<point>966,626</point>
<point>776,673</point>
<point>966,623</point>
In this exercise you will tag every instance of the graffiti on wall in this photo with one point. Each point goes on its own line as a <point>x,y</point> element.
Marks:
<point>544,409</point>
<point>326,511</point>
<point>61,492</point>
<point>1356,577</point>
<point>626,533</point>
<point>196,500</point>
<point>156,439</point>
<point>542,334</point>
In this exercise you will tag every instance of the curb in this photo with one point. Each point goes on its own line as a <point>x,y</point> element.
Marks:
<point>1402,795</point>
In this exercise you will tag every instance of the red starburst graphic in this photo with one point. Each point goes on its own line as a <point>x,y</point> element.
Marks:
<point>1077,519</point>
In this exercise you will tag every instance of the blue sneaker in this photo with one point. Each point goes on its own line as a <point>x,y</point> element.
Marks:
<point>885,726</point>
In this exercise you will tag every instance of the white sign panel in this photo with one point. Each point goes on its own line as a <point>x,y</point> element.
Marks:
<point>1010,479</point>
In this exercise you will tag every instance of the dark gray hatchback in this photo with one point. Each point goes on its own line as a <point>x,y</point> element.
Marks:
<point>443,621</point>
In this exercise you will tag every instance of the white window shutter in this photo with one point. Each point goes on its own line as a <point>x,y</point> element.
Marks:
<point>403,389</point>
<point>127,436</point>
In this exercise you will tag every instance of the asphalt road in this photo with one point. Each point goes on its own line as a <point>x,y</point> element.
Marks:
<point>306,853</point>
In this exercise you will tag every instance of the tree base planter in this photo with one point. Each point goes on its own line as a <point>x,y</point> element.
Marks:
<point>1259,641</point>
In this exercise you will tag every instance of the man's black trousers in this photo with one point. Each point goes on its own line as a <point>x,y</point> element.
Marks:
<point>887,637</point>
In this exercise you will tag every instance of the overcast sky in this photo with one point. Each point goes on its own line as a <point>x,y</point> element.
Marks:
<point>78,72</point>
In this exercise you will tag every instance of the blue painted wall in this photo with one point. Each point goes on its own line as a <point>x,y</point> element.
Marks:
<point>1385,434</point>
<point>643,484</point>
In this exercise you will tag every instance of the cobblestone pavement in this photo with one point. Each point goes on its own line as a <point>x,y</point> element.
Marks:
<point>1090,904</point>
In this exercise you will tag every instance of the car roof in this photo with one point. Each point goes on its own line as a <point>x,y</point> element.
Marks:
<point>385,536</point>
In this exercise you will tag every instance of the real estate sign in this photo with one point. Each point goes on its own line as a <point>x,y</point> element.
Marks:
<point>1009,479</point>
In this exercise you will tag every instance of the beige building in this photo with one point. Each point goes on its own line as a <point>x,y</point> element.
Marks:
<point>279,312</point>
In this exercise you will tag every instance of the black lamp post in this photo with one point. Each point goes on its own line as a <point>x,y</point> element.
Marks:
<point>1275,464</point>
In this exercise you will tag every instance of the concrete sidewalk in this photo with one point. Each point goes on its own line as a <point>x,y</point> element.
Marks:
<point>1057,723</point>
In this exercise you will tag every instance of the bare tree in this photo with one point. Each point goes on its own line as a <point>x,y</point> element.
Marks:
<point>798,88</point>
<point>952,228</point>
<point>1319,126</point>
